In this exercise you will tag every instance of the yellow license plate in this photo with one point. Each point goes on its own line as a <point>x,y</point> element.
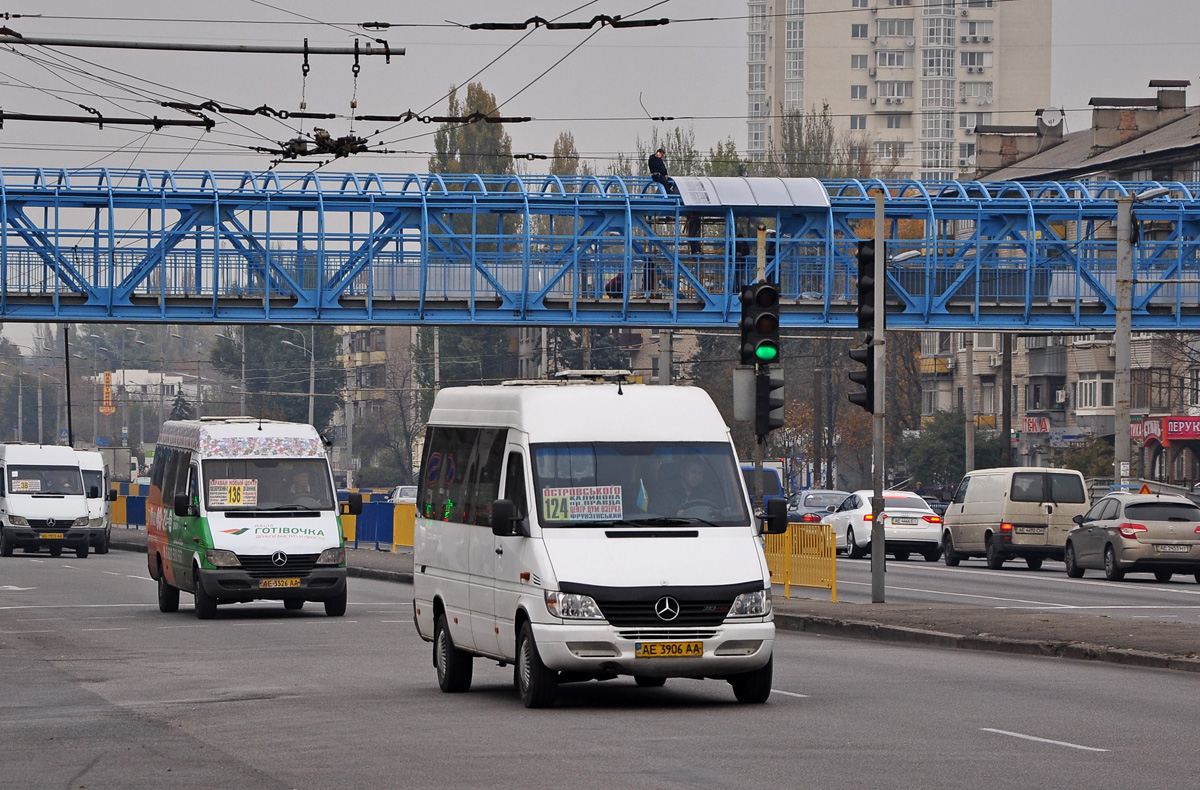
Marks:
<point>668,649</point>
<point>272,583</point>
<point>52,536</point>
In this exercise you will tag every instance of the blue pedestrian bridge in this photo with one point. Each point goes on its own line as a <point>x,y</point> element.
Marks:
<point>101,245</point>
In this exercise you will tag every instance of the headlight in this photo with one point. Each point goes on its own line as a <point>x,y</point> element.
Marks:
<point>751,604</point>
<point>332,556</point>
<point>572,606</point>
<point>82,521</point>
<point>19,521</point>
<point>221,558</point>
<point>96,522</point>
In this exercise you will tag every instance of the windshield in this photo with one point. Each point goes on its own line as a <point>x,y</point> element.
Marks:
<point>40,479</point>
<point>590,484</point>
<point>93,479</point>
<point>267,484</point>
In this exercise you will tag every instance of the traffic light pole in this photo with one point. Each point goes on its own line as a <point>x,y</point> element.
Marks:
<point>880,412</point>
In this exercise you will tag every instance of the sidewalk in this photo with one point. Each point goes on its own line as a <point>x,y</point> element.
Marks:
<point>1142,643</point>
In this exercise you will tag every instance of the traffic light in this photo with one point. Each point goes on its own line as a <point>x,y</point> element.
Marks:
<point>768,402</point>
<point>760,324</point>
<point>866,285</point>
<point>865,356</point>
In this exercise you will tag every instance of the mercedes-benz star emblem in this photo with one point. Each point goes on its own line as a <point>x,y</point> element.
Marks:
<point>50,522</point>
<point>279,559</point>
<point>667,608</point>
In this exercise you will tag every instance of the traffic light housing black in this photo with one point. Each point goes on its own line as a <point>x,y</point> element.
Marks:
<point>866,285</point>
<point>760,324</point>
<point>768,402</point>
<point>865,356</point>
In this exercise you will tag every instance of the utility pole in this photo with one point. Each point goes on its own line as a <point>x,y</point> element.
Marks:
<point>969,402</point>
<point>879,413</point>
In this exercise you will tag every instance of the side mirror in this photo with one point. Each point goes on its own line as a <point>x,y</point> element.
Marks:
<point>93,492</point>
<point>354,504</point>
<point>502,517</point>
<point>776,521</point>
<point>112,495</point>
<point>183,506</point>
<point>1078,518</point>
<point>831,509</point>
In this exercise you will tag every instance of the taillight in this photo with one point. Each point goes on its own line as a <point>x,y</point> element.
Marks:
<point>1198,530</point>
<point>933,519</point>
<point>1130,530</point>
<point>810,517</point>
<point>1006,527</point>
<point>868,517</point>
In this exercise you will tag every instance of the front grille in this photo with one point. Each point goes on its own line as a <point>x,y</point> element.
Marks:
<point>260,566</point>
<point>59,524</point>
<point>643,634</point>
<point>637,614</point>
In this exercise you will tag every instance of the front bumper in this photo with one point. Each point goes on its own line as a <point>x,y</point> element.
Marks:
<point>728,649</point>
<point>35,537</point>
<point>238,586</point>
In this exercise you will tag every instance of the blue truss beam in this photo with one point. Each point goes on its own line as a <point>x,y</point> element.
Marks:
<point>346,248</point>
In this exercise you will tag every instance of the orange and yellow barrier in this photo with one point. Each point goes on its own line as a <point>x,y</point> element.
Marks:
<point>805,556</point>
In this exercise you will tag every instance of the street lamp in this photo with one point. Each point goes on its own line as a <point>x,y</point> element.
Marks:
<point>242,345</point>
<point>311,351</point>
<point>1123,337</point>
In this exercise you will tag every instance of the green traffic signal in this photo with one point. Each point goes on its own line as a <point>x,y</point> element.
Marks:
<point>766,351</point>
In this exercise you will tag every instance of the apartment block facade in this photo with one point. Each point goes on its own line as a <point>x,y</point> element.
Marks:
<point>909,80</point>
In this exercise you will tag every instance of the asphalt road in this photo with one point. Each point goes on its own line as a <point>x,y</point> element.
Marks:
<point>1018,587</point>
<point>102,690</point>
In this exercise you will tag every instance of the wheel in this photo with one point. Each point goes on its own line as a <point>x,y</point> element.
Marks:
<point>1034,563</point>
<point>168,596</point>
<point>1111,571</point>
<point>901,556</point>
<point>649,682</point>
<point>1163,576</point>
<point>995,560</point>
<point>293,604</point>
<point>453,665</point>
<point>933,555</point>
<point>56,551</point>
<point>1197,578</point>
<point>538,684</point>
<point>206,605</point>
<point>852,549</point>
<point>336,606</point>
<point>82,551</point>
<point>753,687</point>
<point>6,543</point>
<point>1073,569</point>
<point>951,556</point>
<point>102,546</point>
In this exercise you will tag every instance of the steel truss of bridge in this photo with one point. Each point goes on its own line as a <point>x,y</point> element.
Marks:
<point>371,248</point>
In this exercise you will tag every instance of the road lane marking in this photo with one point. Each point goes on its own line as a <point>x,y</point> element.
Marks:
<point>789,693</point>
<point>78,606</point>
<point>1023,736</point>
<point>7,633</point>
<point>104,629</point>
<point>113,573</point>
<point>966,595</point>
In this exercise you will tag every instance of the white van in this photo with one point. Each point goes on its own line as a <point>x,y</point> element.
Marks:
<point>242,509</point>
<point>553,532</point>
<point>42,503</point>
<point>1010,512</point>
<point>100,497</point>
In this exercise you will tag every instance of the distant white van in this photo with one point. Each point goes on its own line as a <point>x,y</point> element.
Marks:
<point>42,503</point>
<point>583,530</point>
<point>99,497</point>
<point>1013,512</point>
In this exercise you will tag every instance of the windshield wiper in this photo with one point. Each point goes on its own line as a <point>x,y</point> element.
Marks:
<point>295,507</point>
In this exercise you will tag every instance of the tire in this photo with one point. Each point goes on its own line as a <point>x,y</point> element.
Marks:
<point>6,543</point>
<point>102,546</point>
<point>647,682</point>
<point>995,560</point>
<point>293,604</point>
<point>852,549</point>
<point>933,555</point>
<point>82,551</point>
<point>168,596</point>
<point>206,605</point>
<point>753,688</point>
<point>1111,571</point>
<point>538,685</point>
<point>901,556</point>
<point>1073,569</point>
<point>1163,576</point>
<point>56,551</point>
<point>949,555</point>
<point>334,607</point>
<point>1197,578</point>
<point>453,665</point>
<point>1034,563</point>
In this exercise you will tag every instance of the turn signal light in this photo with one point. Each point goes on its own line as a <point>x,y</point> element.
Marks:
<point>1130,530</point>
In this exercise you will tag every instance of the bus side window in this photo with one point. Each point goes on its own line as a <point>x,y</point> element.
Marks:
<point>489,457</point>
<point>4,482</point>
<point>514,485</point>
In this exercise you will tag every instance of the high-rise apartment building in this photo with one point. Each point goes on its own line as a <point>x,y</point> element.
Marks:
<point>909,79</point>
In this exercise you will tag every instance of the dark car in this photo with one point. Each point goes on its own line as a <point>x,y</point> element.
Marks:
<point>812,505</point>
<point>936,504</point>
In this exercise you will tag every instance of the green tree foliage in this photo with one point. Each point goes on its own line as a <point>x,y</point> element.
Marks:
<point>724,160</point>
<point>182,409</point>
<point>937,458</point>
<point>477,147</point>
<point>810,146</point>
<point>277,374</point>
<point>1094,458</point>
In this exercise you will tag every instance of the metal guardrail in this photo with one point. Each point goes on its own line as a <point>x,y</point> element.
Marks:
<point>805,556</point>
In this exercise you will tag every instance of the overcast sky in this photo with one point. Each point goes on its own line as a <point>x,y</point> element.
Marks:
<point>607,83</point>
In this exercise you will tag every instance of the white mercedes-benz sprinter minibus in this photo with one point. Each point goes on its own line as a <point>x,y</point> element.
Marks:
<point>584,530</point>
<point>42,502</point>
<point>100,497</point>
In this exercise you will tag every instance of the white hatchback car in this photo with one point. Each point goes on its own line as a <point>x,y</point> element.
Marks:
<point>910,525</point>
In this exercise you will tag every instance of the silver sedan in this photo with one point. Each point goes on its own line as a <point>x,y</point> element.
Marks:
<point>1136,533</point>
